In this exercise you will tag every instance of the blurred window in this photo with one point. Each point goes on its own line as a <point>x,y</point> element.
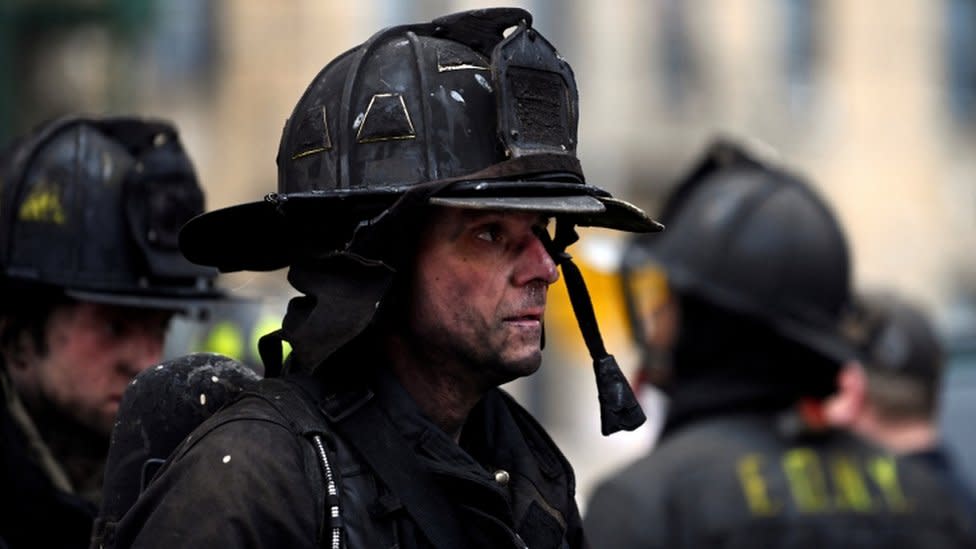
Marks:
<point>801,34</point>
<point>184,41</point>
<point>960,41</point>
<point>679,57</point>
<point>99,55</point>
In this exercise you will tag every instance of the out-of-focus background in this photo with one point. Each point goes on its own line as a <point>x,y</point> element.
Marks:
<point>874,100</point>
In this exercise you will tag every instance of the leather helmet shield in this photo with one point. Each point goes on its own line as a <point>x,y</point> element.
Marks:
<point>93,206</point>
<point>445,101</point>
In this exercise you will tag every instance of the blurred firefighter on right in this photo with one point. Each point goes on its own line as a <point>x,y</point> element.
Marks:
<point>758,275</point>
<point>891,395</point>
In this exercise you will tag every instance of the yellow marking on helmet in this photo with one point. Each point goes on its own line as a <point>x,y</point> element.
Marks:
<point>226,339</point>
<point>884,472</point>
<point>852,491</point>
<point>42,205</point>
<point>309,152</point>
<point>265,325</point>
<point>754,487</point>
<point>806,480</point>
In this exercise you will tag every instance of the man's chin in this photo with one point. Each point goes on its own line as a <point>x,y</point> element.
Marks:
<point>522,366</point>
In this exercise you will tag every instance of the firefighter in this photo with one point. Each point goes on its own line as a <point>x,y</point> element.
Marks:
<point>90,210</point>
<point>759,270</point>
<point>891,394</point>
<point>428,186</point>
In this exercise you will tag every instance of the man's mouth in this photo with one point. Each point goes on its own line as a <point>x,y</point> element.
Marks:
<point>525,317</point>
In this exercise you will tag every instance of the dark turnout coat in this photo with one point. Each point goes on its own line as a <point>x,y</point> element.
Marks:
<point>248,478</point>
<point>738,481</point>
<point>34,511</point>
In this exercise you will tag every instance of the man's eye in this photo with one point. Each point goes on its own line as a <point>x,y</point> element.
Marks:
<point>114,328</point>
<point>491,233</point>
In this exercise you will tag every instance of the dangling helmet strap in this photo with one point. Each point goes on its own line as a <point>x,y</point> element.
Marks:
<point>619,409</point>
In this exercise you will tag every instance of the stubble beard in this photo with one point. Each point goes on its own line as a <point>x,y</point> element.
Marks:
<point>481,355</point>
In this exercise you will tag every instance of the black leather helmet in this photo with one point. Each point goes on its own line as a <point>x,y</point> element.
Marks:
<point>757,240</point>
<point>93,206</point>
<point>478,119</point>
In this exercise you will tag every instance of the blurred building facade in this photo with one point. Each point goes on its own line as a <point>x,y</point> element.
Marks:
<point>874,100</point>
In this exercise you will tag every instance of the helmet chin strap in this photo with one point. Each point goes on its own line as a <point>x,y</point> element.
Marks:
<point>619,409</point>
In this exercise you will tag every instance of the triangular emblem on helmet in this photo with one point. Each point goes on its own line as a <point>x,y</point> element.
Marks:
<point>386,118</point>
<point>312,135</point>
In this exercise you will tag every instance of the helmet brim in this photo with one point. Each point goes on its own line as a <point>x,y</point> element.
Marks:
<point>190,305</point>
<point>554,204</point>
<point>588,211</point>
<point>263,236</point>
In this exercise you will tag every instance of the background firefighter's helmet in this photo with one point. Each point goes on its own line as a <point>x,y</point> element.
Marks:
<point>895,337</point>
<point>93,207</point>
<point>490,120</point>
<point>643,280</point>
<point>756,240</point>
<point>450,113</point>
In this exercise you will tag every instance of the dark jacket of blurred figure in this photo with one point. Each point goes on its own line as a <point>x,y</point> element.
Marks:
<point>891,396</point>
<point>759,271</point>
<point>89,277</point>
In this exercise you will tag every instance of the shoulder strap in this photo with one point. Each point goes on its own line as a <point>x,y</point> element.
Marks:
<point>300,409</point>
<point>357,418</point>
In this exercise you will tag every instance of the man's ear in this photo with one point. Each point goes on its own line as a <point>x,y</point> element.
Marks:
<point>19,352</point>
<point>845,406</point>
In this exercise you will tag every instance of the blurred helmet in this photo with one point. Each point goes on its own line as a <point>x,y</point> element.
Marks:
<point>758,241</point>
<point>894,336</point>
<point>476,118</point>
<point>93,207</point>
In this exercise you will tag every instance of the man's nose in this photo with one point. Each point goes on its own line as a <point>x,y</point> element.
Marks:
<point>535,263</point>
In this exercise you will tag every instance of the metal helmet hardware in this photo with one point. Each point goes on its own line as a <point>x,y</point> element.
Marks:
<point>450,113</point>
<point>756,240</point>
<point>93,206</point>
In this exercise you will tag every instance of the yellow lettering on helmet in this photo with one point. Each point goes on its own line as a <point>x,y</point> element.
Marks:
<point>224,338</point>
<point>852,491</point>
<point>754,489</point>
<point>42,205</point>
<point>806,479</point>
